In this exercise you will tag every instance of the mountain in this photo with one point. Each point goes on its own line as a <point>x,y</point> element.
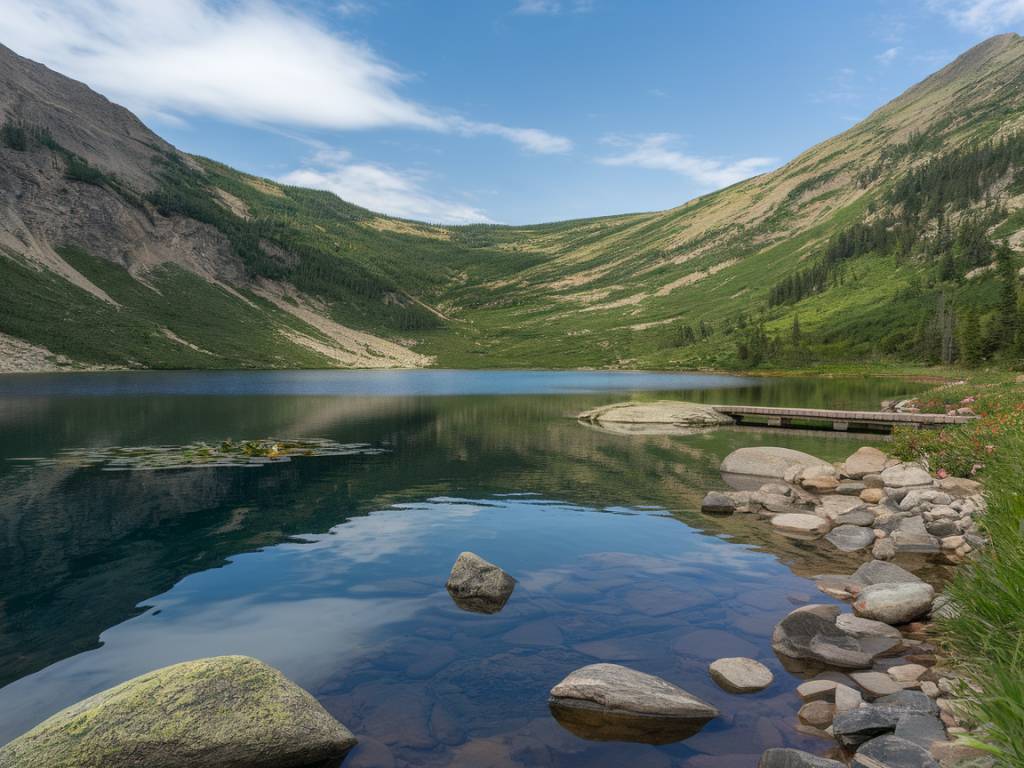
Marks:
<point>882,243</point>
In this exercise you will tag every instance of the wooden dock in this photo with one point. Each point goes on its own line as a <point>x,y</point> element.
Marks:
<point>841,421</point>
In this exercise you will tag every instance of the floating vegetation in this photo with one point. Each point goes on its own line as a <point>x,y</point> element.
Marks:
<point>228,453</point>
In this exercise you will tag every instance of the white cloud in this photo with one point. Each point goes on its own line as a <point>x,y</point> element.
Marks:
<point>352,7</point>
<point>380,188</point>
<point>654,152</point>
<point>248,61</point>
<point>889,55</point>
<point>983,16</point>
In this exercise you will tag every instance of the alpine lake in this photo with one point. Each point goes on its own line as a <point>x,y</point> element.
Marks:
<point>310,519</point>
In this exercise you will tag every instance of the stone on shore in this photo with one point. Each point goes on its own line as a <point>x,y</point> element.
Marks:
<point>911,535</point>
<point>811,633</point>
<point>716,503</point>
<point>794,758</point>
<point>209,713</point>
<point>894,603</point>
<point>797,523</point>
<point>740,675</point>
<point>609,702</point>
<point>881,572</point>
<point>905,476</point>
<point>479,586</point>
<point>892,752</point>
<point>876,683</point>
<point>851,538</point>
<point>768,462</point>
<point>865,461</point>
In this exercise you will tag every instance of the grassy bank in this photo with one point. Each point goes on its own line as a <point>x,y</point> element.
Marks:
<point>985,639</point>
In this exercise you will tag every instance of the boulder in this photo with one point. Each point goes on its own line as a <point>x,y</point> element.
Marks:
<point>880,572</point>
<point>767,462</point>
<point>960,486</point>
<point>802,524</point>
<point>894,603</point>
<point>609,702</point>
<point>906,475</point>
<point>912,536</point>
<point>819,477</point>
<point>862,517</point>
<point>716,503</point>
<point>847,698</point>
<point>851,538</point>
<point>740,675</point>
<point>923,730</point>
<point>864,461</point>
<point>906,703</point>
<point>817,714</point>
<point>892,752</point>
<point>856,726</point>
<point>834,506</point>
<point>479,586</point>
<point>209,713</point>
<point>794,758</point>
<point>918,498</point>
<point>817,690</point>
<point>811,633</point>
<point>660,417</point>
<point>876,683</point>
<point>859,627</point>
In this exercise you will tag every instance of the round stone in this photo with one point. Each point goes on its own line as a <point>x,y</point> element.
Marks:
<point>740,675</point>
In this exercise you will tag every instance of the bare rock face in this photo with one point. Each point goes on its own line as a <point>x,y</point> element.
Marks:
<point>210,713</point>
<point>479,586</point>
<point>609,702</point>
<point>768,462</point>
<point>740,675</point>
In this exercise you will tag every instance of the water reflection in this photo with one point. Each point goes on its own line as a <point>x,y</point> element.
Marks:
<point>360,615</point>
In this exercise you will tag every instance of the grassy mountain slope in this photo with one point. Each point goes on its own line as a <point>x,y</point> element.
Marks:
<point>115,249</point>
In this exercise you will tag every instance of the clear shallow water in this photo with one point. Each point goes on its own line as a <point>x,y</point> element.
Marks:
<point>108,574</point>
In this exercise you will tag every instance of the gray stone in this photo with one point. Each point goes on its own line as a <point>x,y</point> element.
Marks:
<point>859,627</point>
<point>767,461</point>
<point>879,572</point>
<point>479,586</point>
<point>865,461</point>
<point>856,726</point>
<point>850,487</point>
<point>847,698</point>
<point>740,675</point>
<point>660,417</point>
<point>942,528</point>
<point>795,758</point>
<point>817,714</point>
<point>884,549</point>
<point>911,536</point>
<point>811,633</point>
<point>817,690</point>
<point>907,703</point>
<point>851,538</point>
<point>862,517</point>
<point>894,603</point>
<point>780,489</point>
<point>876,683</point>
<point>609,702</point>
<point>873,480</point>
<point>892,752</point>
<point>905,475</point>
<point>718,504</point>
<point>923,730</point>
<point>921,497</point>
<point>834,506</point>
<point>802,524</point>
<point>209,713</point>
<point>960,486</point>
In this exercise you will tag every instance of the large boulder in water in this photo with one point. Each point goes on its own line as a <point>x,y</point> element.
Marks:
<point>663,416</point>
<point>479,586</point>
<point>768,462</point>
<point>609,702</point>
<point>894,603</point>
<point>220,712</point>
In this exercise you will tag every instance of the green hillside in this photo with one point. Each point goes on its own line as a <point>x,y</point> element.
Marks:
<point>896,241</point>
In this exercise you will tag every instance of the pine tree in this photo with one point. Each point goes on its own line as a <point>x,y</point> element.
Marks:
<point>1008,312</point>
<point>795,335</point>
<point>970,339</point>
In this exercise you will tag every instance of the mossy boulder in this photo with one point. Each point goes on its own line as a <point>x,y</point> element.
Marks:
<point>221,712</point>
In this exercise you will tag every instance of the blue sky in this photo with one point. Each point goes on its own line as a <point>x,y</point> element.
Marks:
<point>513,111</point>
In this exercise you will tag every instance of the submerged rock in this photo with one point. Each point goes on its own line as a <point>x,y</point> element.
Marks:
<point>479,586</point>
<point>768,462</point>
<point>210,713</point>
<point>609,702</point>
<point>740,675</point>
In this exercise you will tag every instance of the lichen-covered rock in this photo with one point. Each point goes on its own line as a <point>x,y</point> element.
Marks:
<point>210,713</point>
<point>768,462</point>
<point>609,702</point>
<point>479,586</point>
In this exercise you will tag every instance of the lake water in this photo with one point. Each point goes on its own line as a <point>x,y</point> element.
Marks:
<point>332,568</point>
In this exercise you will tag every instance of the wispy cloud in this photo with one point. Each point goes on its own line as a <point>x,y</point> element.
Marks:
<point>982,16</point>
<point>655,152</point>
<point>352,7</point>
<point>553,7</point>
<point>843,89</point>
<point>380,188</point>
<point>248,61</point>
<point>889,55</point>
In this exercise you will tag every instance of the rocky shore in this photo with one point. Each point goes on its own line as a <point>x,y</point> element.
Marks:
<point>875,683</point>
